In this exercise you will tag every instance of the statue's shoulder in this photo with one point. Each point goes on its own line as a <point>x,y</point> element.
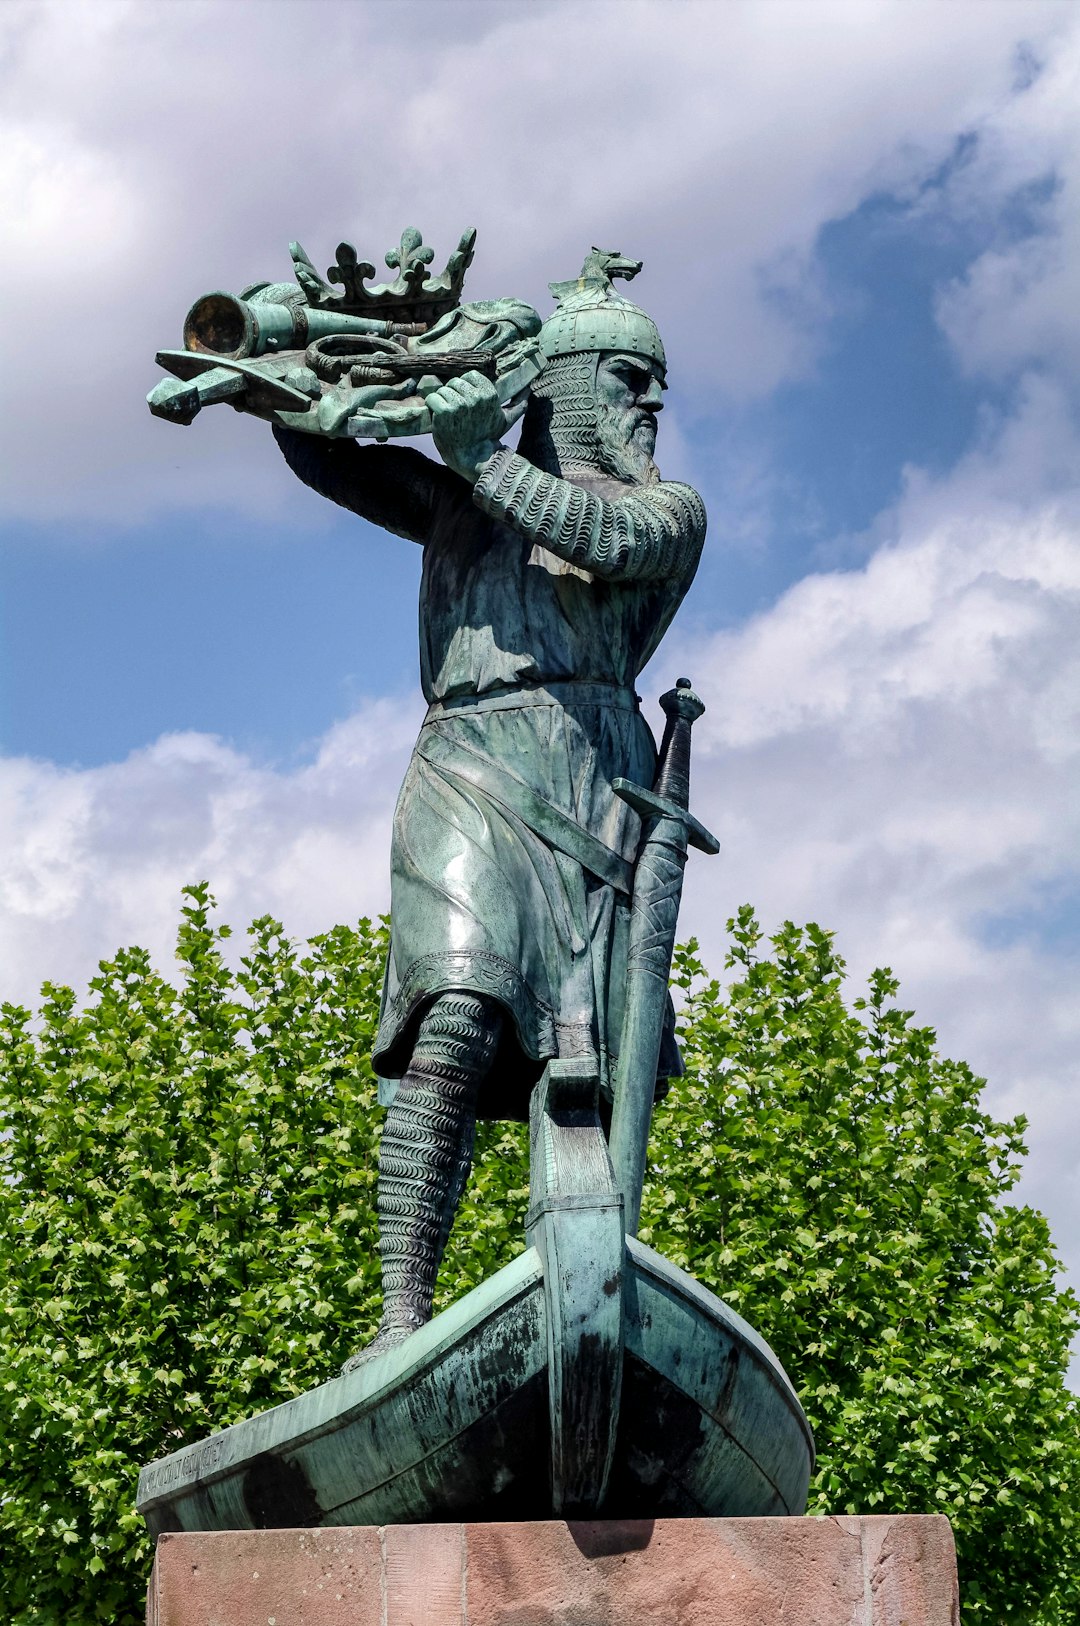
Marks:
<point>680,491</point>
<point>678,500</point>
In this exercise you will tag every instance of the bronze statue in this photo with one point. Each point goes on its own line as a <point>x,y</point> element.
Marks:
<point>538,852</point>
<point>550,575</point>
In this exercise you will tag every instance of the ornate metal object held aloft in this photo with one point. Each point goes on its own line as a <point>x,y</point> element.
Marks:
<point>359,364</point>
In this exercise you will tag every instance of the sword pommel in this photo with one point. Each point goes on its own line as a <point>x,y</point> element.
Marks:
<point>683,700</point>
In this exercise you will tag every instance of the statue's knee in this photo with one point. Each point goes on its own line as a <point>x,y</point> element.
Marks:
<point>458,1037</point>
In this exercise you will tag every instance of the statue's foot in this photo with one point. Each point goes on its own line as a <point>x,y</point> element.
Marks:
<point>386,1338</point>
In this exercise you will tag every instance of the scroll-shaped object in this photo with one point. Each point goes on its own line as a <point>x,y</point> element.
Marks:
<point>667,829</point>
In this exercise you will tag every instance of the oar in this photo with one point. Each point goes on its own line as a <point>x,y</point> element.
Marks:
<point>667,829</point>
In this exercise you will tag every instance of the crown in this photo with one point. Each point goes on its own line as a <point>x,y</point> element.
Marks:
<point>414,295</point>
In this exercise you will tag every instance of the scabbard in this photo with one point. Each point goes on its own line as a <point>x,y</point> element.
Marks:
<point>654,915</point>
<point>668,829</point>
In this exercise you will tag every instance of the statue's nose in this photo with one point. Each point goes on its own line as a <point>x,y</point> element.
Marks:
<point>653,397</point>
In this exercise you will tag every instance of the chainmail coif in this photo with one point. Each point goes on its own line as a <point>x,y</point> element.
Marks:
<point>560,430</point>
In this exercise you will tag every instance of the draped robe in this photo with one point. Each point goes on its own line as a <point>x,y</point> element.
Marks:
<point>541,599</point>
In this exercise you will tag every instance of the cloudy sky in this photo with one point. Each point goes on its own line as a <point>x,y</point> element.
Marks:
<point>861,236</point>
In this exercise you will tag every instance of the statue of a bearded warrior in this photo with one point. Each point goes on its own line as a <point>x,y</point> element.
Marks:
<point>550,576</point>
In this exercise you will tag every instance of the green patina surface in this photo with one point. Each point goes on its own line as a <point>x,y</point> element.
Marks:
<point>645,1393</point>
<point>538,852</point>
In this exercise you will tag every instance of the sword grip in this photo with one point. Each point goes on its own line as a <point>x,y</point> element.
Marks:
<point>682,707</point>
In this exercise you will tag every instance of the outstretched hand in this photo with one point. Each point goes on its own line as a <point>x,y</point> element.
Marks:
<point>467,423</point>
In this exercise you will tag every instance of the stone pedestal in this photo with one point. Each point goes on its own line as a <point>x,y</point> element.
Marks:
<point>879,1571</point>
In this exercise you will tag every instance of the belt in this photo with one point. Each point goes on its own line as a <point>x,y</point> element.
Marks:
<point>554,827</point>
<point>509,697</point>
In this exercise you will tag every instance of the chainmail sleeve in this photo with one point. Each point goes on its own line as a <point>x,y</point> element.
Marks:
<point>652,533</point>
<point>392,486</point>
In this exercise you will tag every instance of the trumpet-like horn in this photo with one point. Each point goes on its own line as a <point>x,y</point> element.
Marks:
<point>221,324</point>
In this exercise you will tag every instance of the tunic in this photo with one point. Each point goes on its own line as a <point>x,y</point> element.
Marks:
<point>541,600</point>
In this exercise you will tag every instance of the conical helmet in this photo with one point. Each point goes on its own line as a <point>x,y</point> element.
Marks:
<point>591,317</point>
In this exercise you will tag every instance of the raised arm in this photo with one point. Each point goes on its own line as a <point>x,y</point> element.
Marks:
<point>392,486</point>
<point>652,533</point>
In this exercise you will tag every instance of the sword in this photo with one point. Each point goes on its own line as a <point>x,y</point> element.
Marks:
<point>668,828</point>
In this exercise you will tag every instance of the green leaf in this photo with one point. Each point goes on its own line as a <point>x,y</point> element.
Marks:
<point>187,1219</point>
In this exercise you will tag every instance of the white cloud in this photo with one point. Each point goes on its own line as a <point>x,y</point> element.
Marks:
<point>93,859</point>
<point>154,151</point>
<point>894,751</point>
<point>1017,303</point>
<point>891,750</point>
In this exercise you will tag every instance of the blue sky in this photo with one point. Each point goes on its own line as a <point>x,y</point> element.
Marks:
<point>186,623</point>
<point>861,239</point>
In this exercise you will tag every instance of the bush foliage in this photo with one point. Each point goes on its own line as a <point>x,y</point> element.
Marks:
<point>187,1189</point>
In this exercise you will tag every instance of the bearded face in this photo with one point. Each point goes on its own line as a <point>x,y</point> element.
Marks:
<point>628,398</point>
<point>595,414</point>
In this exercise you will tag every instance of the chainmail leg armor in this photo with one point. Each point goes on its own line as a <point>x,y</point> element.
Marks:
<point>426,1153</point>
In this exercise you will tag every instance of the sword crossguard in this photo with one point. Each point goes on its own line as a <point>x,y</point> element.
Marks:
<point>649,805</point>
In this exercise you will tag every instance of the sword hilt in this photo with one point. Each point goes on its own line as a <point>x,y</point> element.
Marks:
<point>682,707</point>
<point>670,795</point>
